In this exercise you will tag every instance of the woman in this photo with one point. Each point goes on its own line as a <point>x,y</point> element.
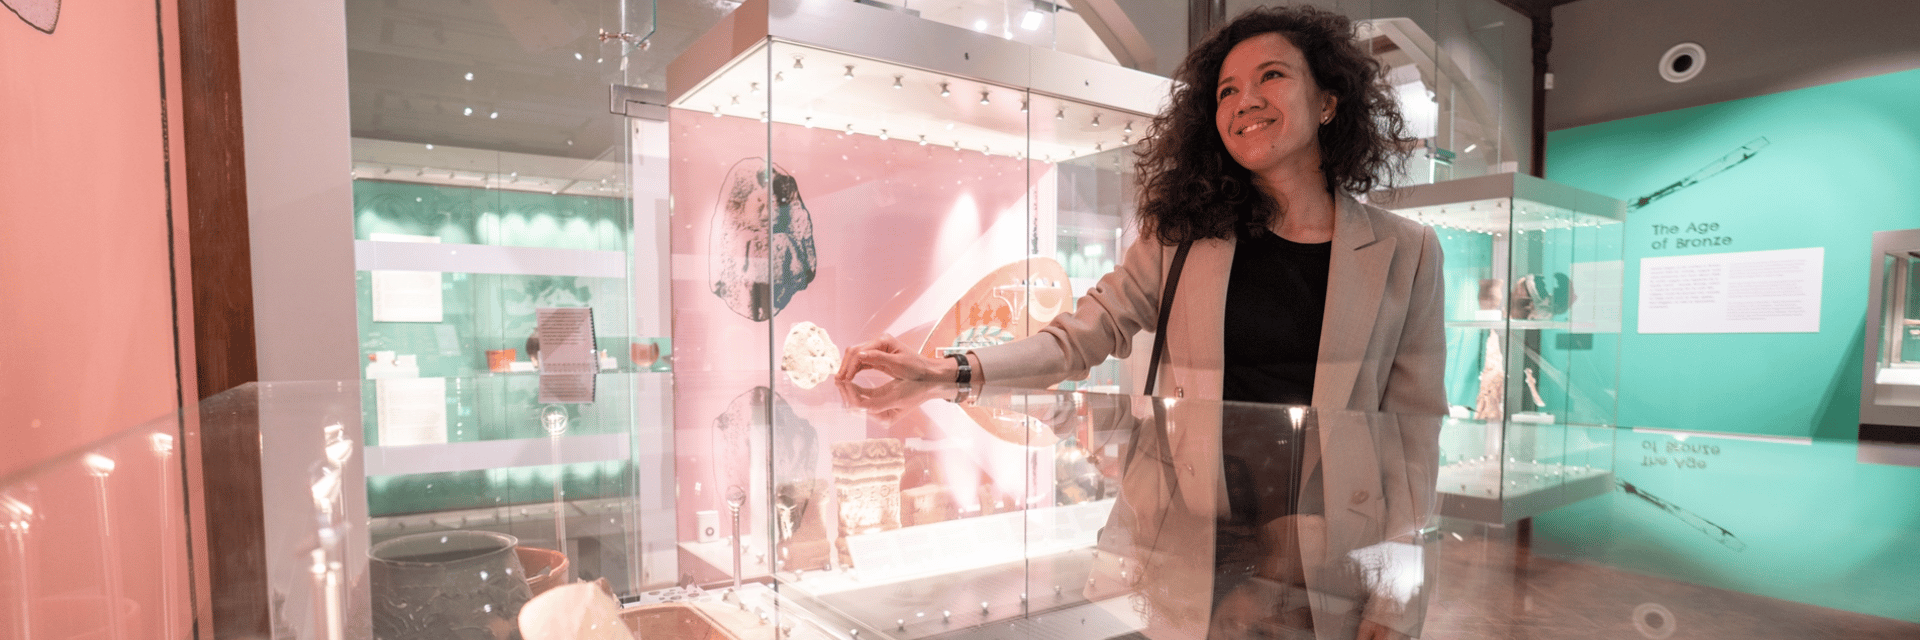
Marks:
<point>1292,292</point>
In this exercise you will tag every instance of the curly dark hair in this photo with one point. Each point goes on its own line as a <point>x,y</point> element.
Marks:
<point>1191,189</point>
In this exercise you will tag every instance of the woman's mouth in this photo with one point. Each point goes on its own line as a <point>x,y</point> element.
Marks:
<point>1252,127</point>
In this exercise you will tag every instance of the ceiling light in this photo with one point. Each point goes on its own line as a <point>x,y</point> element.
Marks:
<point>469,76</point>
<point>983,97</point>
<point>1061,114</point>
<point>1096,119</point>
<point>754,88</point>
<point>1032,20</point>
<point>944,92</point>
<point>1129,127</point>
<point>716,111</point>
<point>883,134</point>
<point>796,63</point>
<point>849,74</point>
<point>849,127</point>
<point>808,122</point>
<point>577,56</point>
<point>896,81</point>
<point>1023,105</point>
<point>495,115</point>
<point>778,76</point>
<point>923,141</point>
<point>980,25</point>
<point>1469,148</point>
<point>429,147</point>
<point>467,111</point>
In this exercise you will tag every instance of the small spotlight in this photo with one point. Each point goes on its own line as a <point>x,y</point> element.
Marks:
<point>923,141</point>
<point>896,81</point>
<point>983,98</point>
<point>778,76</point>
<point>944,92</point>
<point>808,121</point>
<point>1061,114</point>
<point>849,74</point>
<point>796,63</point>
<point>467,111</point>
<point>754,88</point>
<point>1032,20</point>
<point>883,134</point>
<point>577,56</point>
<point>469,76</point>
<point>1023,105</point>
<point>1129,127</point>
<point>495,115</point>
<point>1096,119</point>
<point>1470,148</point>
<point>716,111</point>
<point>429,147</point>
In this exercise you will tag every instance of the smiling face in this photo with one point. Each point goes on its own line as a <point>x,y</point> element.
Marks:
<point>1269,108</point>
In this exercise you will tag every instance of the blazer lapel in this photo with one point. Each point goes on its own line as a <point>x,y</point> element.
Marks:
<point>1356,282</point>
<point>1199,316</point>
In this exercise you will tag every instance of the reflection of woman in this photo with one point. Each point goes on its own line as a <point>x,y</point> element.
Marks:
<point>1293,291</point>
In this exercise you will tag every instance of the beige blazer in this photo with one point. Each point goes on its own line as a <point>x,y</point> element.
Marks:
<point>1382,348</point>
<point>1382,343</point>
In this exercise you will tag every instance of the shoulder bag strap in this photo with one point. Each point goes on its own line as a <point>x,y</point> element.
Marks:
<point>1166,309</point>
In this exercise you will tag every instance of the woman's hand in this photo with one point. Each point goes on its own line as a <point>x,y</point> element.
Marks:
<point>889,356</point>
<point>893,399</point>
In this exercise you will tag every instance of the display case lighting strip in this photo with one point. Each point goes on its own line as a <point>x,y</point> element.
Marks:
<point>510,181</point>
<point>850,94</point>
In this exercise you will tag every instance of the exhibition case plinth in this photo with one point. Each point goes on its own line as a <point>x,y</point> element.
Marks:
<point>897,510</point>
<point>1533,307</point>
<point>1890,384</point>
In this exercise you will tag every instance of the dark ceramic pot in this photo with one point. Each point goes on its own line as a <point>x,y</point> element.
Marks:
<point>466,585</point>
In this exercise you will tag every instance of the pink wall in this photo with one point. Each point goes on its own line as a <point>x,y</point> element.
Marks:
<point>86,279</point>
<point>84,267</point>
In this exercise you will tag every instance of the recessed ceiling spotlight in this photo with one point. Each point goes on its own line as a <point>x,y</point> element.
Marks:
<point>429,147</point>
<point>577,56</point>
<point>467,111</point>
<point>493,115</point>
<point>1683,62</point>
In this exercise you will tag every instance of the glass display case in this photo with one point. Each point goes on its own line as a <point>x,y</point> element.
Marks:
<point>1890,385</point>
<point>1100,521</point>
<point>843,171</point>
<point>1533,295</point>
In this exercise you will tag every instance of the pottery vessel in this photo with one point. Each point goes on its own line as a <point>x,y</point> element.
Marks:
<point>465,585</point>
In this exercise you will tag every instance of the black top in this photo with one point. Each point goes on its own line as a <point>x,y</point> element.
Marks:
<point>1276,295</point>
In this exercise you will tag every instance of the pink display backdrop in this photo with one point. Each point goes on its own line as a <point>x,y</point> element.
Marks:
<point>86,279</point>
<point>900,232</point>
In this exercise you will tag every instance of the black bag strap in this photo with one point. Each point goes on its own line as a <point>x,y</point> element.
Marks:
<point>1166,309</point>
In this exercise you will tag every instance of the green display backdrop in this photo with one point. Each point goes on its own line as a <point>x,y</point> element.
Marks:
<point>1839,162</point>
<point>1819,167</point>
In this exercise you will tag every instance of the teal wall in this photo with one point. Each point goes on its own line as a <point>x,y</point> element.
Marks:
<point>1842,163</point>
<point>1812,523</point>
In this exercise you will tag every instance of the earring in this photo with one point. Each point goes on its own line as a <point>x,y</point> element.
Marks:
<point>1326,119</point>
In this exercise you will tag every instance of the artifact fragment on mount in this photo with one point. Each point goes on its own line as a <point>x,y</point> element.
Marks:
<point>809,356</point>
<point>761,247</point>
<point>1540,297</point>
<point>866,482</point>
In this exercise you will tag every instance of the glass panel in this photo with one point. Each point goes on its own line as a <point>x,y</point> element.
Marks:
<point>96,541</point>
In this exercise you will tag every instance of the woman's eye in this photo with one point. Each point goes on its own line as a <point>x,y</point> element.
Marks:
<point>1226,92</point>
<point>1270,74</point>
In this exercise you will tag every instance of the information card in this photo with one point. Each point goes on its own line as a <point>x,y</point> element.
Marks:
<point>1743,292</point>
